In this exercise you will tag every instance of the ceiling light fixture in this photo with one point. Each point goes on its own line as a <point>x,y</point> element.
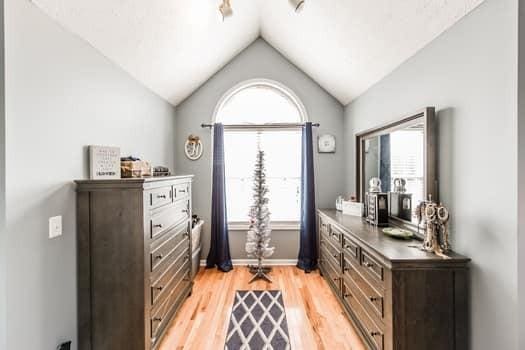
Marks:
<point>297,4</point>
<point>225,9</point>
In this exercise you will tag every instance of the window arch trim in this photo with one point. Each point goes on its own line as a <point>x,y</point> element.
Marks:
<point>273,84</point>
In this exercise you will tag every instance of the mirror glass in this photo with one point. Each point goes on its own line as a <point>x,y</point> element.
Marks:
<point>397,158</point>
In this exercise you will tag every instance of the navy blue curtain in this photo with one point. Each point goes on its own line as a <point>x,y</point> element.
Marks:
<point>384,163</point>
<point>307,260</point>
<point>219,254</point>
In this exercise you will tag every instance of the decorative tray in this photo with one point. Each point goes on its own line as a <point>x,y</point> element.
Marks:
<point>398,233</point>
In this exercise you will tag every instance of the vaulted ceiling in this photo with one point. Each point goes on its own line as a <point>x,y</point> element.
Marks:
<point>174,46</point>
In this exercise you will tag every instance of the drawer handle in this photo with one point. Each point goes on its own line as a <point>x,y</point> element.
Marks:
<point>161,196</point>
<point>186,257</point>
<point>157,225</point>
<point>186,234</point>
<point>159,288</point>
<point>182,191</point>
<point>336,256</point>
<point>373,299</point>
<point>185,210</point>
<point>369,265</point>
<point>158,257</point>
<point>346,269</point>
<point>157,319</point>
<point>375,334</point>
<point>347,295</point>
<point>336,279</point>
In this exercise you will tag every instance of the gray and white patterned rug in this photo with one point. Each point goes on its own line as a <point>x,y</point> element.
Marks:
<point>258,322</point>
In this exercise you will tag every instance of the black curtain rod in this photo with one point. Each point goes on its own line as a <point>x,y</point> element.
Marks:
<point>259,126</point>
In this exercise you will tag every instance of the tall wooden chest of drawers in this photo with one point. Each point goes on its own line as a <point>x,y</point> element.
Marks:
<point>134,259</point>
<point>397,296</point>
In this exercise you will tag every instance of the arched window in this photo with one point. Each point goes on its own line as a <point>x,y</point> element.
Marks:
<point>260,102</point>
<point>264,110</point>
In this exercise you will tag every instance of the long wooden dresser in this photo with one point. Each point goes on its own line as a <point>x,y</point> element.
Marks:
<point>134,259</point>
<point>397,296</point>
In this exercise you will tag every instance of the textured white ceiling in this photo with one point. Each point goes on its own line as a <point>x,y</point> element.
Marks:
<point>173,46</point>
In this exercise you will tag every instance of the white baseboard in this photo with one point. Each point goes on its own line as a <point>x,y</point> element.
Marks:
<point>267,262</point>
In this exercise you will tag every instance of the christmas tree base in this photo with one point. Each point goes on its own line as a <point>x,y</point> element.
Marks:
<point>260,272</point>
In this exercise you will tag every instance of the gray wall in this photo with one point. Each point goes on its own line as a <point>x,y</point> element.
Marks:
<point>259,61</point>
<point>3,250</point>
<point>469,73</point>
<point>61,95</point>
<point>521,173</point>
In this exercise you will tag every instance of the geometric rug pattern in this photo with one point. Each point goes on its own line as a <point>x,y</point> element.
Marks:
<point>258,322</point>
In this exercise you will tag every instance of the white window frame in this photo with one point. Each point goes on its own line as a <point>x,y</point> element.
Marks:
<point>288,93</point>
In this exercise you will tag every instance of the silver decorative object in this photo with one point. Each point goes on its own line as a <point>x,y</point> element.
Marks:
<point>193,147</point>
<point>339,203</point>
<point>399,185</point>
<point>434,218</point>
<point>259,234</point>
<point>374,185</point>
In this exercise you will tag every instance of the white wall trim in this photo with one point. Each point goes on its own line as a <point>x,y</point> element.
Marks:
<point>276,226</point>
<point>267,262</point>
<point>282,88</point>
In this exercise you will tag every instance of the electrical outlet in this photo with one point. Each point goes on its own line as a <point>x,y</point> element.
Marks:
<point>55,226</point>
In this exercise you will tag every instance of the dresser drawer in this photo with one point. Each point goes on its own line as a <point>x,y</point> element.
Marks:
<point>331,253</point>
<point>330,270</point>
<point>160,196</point>
<point>324,227</point>
<point>371,330</point>
<point>178,270</point>
<point>350,249</point>
<point>335,235</point>
<point>181,191</point>
<point>167,244</point>
<point>164,220</point>
<point>161,314</point>
<point>373,268</point>
<point>182,248</point>
<point>369,296</point>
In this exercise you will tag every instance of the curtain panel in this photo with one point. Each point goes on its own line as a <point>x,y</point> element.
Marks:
<point>308,254</point>
<point>219,254</point>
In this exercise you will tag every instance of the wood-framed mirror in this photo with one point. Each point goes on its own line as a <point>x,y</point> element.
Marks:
<point>402,154</point>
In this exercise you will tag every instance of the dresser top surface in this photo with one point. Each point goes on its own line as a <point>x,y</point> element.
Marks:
<point>393,250</point>
<point>142,182</point>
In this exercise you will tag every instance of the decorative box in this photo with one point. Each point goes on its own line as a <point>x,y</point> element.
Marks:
<point>401,205</point>
<point>377,208</point>
<point>352,208</point>
<point>135,168</point>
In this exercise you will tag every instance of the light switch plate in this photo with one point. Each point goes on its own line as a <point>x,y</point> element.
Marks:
<point>55,226</point>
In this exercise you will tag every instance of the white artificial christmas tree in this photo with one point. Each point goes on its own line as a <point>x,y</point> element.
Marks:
<point>259,234</point>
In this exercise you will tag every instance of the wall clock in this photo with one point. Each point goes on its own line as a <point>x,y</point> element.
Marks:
<point>326,143</point>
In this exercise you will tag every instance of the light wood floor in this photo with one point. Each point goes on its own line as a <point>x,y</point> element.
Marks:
<point>315,319</point>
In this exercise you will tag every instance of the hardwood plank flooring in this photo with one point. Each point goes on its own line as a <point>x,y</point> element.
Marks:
<point>315,318</point>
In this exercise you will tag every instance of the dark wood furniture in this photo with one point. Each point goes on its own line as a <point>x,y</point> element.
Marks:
<point>398,296</point>
<point>134,259</point>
